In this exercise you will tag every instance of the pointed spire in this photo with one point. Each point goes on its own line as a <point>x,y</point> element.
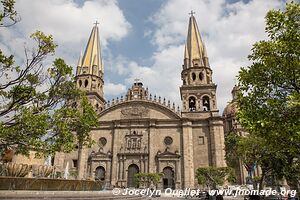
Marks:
<point>78,70</point>
<point>92,54</point>
<point>79,64</point>
<point>195,48</point>
<point>186,53</point>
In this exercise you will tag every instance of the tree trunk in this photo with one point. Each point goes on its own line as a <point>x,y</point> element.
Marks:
<point>261,181</point>
<point>81,162</point>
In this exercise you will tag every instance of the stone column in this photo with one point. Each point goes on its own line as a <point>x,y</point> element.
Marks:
<point>177,170</point>
<point>188,168</point>
<point>151,158</point>
<point>142,164</point>
<point>115,149</point>
<point>217,142</point>
<point>106,171</point>
<point>119,168</point>
<point>123,167</point>
<point>145,167</point>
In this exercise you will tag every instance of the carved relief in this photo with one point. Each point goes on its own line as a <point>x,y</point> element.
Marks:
<point>133,140</point>
<point>134,112</point>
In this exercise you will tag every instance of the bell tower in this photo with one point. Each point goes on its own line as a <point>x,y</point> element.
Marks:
<point>198,92</point>
<point>89,73</point>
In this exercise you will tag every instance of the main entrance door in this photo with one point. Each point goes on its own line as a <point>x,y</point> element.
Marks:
<point>132,170</point>
<point>168,179</point>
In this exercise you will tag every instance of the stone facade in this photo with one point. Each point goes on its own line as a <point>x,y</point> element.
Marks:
<point>144,133</point>
<point>231,125</point>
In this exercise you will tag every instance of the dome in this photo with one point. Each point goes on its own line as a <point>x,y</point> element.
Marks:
<point>231,109</point>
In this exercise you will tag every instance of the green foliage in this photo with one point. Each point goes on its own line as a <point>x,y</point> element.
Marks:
<point>86,120</point>
<point>73,174</point>
<point>147,179</point>
<point>8,13</point>
<point>231,146</point>
<point>213,176</point>
<point>45,43</point>
<point>34,110</point>
<point>269,106</point>
<point>59,174</point>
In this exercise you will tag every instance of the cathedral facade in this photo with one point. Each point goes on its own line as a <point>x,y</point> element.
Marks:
<point>139,132</point>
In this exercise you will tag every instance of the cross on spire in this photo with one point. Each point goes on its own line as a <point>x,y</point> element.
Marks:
<point>192,13</point>
<point>96,23</point>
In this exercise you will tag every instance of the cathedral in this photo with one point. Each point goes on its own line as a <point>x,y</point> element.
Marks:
<point>140,132</point>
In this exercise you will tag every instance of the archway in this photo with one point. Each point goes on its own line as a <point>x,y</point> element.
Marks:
<point>168,179</point>
<point>132,170</point>
<point>205,103</point>
<point>100,173</point>
<point>192,104</point>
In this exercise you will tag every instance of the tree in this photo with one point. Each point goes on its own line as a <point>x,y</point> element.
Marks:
<point>231,145</point>
<point>86,119</point>
<point>35,109</point>
<point>147,179</point>
<point>269,106</point>
<point>214,176</point>
<point>8,16</point>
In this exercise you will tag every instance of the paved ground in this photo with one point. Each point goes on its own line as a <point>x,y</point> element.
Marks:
<point>81,195</point>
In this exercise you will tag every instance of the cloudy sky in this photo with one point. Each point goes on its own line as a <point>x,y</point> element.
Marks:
<point>145,38</point>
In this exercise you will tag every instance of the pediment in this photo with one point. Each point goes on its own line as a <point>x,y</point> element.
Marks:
<point>167,154</point>
<point>100,154</point>
<point>137,110</point>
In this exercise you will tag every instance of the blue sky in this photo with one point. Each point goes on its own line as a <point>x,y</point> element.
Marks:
<point>145,38</point>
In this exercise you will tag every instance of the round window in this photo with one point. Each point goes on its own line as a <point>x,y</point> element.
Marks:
<point>102,141</point>
<point>168,140</point>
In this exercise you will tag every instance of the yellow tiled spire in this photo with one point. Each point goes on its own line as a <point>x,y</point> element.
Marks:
<point>194,46</point>
<point>186,53</point>
<point>92,55</point>
<point>78,70</point>
<point>79,63</point>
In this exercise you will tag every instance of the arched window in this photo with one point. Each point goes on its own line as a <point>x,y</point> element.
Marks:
<point>80,83</point>
<point>86,82</point>
<point>192,104</point>
<point>100,173</point>
<point>193,76</point>
<point>205,103</point>
<point>201,76</point>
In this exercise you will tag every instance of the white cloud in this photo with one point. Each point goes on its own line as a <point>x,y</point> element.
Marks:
<point>69,23</point>
<point>112,89</point>
<point>163,77</point>
<point>229,31</point>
